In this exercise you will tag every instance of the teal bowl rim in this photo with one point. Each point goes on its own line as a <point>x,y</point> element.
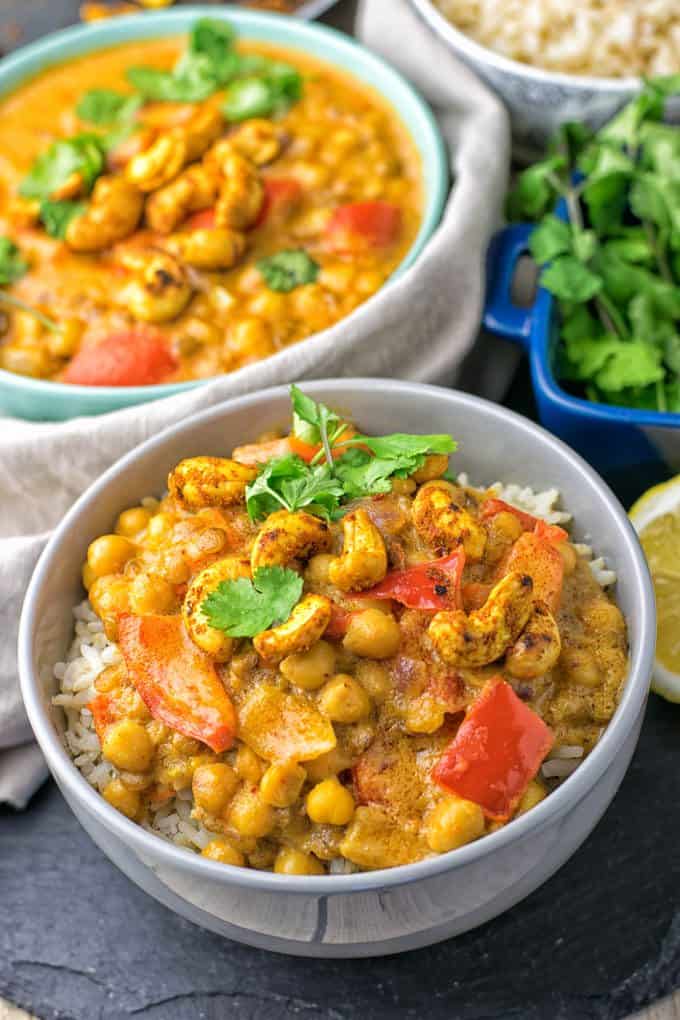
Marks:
<point>332,46</point>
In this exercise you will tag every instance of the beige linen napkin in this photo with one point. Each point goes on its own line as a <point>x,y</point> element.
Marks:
<point>420,328</point>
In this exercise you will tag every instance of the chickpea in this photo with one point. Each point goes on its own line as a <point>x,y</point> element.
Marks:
<point>213,786</point>
<point>337,277</point>
<point>328,765</point>
<point>131,522</point>
<point>344,700</point>
<point>128,802</point>
<point>424,715</point>
<point>295,862</point>
<point>373,635</point>
<point>268,305</point>
<point>66,340</point>
<point>281,784</point>
<point>579,667</point>
<point>222,850</point>
<point>151,594</point>
<point>403,486</point>
<point>249,814</point>
<point>128,746</point>
<point>329,802</point>
<point>249,338</point>
<point>161,527</point>
<point>602,616</point>
<point>453,823</point>
<point>248,765</point>
<point>32,361</point>
<point>569,556</point>
<point>109,596</point>
<point>369,282</point>
<point>310,669</point>
<point>109,554</point>
<point>375,679</point>
<point>533,795</point>
<point>316,573</point>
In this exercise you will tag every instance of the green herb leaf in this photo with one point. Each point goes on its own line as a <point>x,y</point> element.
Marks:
<point>244,608</point>
<point>83,154</point>
<point>273,91</point>
<point>630,364</point>
<point>552,237</point>
<point>570,280</point>
<point>56,216</point>
<point>605,199</point>
<point>535,192</point>
<point>288,269</point>
<point>287,483</point>
<point>106,107</point>
<point>12,264</point>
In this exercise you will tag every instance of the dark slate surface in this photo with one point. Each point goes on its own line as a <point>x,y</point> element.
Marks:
<point>601,939</point>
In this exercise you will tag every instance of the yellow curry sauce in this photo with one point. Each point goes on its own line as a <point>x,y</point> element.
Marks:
<point>167,249</point>
<point>334,720</point>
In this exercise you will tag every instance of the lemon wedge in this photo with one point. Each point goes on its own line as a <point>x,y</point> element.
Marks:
<point>656,518</point>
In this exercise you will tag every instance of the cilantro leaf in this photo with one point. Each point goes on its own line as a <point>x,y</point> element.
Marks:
<point>287,270</point>
<point>12,264</point>
<point>287,483</point>
<point>56,216</point>
<point>106,106</point>
<point>314,422</point>
<point>550,238</point>
<point>207,64</point>
<point>276,88</point>
<point>401,445</point>
<point>83,154</point>
<point>397,455</point>
<point>630,364</point>
<point>244,608</point>
<point>569,279</point>
<point>535,191</point>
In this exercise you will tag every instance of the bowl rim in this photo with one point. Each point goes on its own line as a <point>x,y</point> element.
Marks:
<point>562,800</point>
<point>36,57</point>
<point>458,40</point>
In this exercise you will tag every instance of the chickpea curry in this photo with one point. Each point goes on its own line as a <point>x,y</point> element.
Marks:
<point>172,211</point>
<point>344,658</point>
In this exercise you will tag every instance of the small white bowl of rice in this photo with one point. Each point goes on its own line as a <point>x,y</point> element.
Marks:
<point>552,61</point>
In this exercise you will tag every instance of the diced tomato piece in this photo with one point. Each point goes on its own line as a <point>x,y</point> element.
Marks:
<point>260,453</point>
<point>281,197</point>
<point>496,752</point>
<point>103,713</point>
<point>339,622</point>
<point>135,358</point>
<point>551,532</point>
<point>363,226</point>
<point>177,682</point>
<point>542,561</point>
<point>306,451</point>
<point>203,220</point>
<point>434,585</point>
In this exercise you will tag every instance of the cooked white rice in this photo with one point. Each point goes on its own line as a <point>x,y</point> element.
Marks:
<point>91,652</point>
<point>605,38</point>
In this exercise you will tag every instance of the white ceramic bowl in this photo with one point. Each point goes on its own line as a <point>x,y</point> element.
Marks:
<point>375,912</point>
<point>538,101</point>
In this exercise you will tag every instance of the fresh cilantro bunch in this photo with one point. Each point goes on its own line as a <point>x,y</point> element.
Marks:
<point>346,466</point>
<point>613,261</point>
<point>244,608</point>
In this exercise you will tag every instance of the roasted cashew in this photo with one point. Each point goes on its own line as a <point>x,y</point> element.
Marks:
<point>444,523</point>
<point>208,249</point>
<point>241,194</point>
<point>160,290</point>
<point>286,536</point>
<point>211,640</point>
<point>210,481</point>
<point>160,163</point>
<point>538,647</point>
<point>363,562</point>
<point>483,636</point>
<point>201,130</point>
<point>302,629</point>
<point>194,189</point>
<point>258,140</point>
<point>112,214</point>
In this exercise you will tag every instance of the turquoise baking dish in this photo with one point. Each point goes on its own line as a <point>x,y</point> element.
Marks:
<point>39,399</point>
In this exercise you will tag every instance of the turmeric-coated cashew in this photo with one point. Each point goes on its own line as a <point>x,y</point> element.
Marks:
<point>160,289</point>
<point>363,562</point>
<point>484,635</point>
<point>302,629</point>
<point>538,647</point>
<point>208,638</point>
<point>111,215</point>
<point>210,481</point>
<point>286,536</point>
<point>444,523</point>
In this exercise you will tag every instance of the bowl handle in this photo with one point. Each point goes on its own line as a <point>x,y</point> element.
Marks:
<point>501,316</point>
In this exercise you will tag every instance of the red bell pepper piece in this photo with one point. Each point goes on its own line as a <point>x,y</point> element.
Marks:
<point>134,358</point>
<point>550,532</point>
<point>542,561</point>
<point>363,226</point>
<point>176,680</point>
<point>339,622</point>
<point>103,713</point>
<point>203,220</point>
<point>281,196</point>
<point>434,585</point>
<point>496,752</point>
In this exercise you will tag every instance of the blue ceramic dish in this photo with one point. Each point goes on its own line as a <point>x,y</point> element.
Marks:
<point>620,442</point>
<point>40,399</point>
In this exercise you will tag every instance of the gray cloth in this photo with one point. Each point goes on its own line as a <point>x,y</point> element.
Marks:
<point>421,328</point>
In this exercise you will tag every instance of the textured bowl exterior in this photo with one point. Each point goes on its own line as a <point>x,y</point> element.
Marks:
<point>40,399</point>
<point>377,912</point>
<point>538,101</point>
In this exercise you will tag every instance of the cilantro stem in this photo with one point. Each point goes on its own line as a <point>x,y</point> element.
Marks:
<point>661,396</point>
<point>611,316</point>
<point>15,302</point>
<point>658,251</point>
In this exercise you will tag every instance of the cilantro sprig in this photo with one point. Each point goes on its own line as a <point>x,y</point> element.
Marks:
<point>287,270</point>
<point>613,262</point>
<point>244,608</point>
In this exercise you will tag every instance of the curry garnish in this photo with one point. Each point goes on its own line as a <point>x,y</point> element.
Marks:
<point>288,269</point>
<point>244,608</point>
